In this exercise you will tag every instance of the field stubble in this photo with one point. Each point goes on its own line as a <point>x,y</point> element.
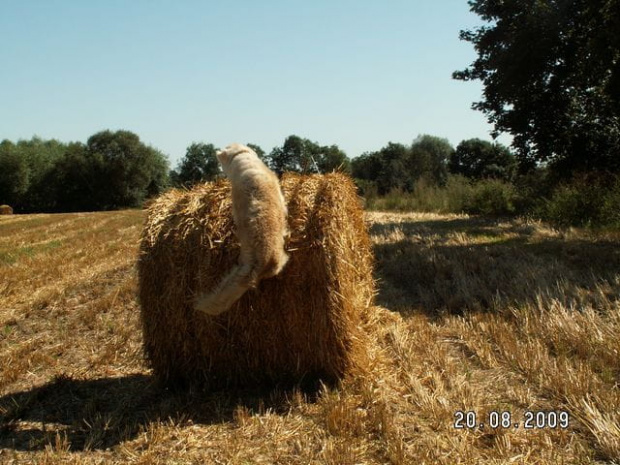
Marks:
<point>473,315</point>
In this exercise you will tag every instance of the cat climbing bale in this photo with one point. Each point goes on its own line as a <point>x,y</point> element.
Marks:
<point>260,217</point>
<point>303,323</point>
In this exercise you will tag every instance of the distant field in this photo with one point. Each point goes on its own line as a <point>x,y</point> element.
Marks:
<point>473,315</point>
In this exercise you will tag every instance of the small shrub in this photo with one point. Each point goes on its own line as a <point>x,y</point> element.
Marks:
<point>492,197</point>
<point>459,191</point>
<point>610,211</point>
<point>568,207</point>
<point>368,191</point>
<point>588,200</point>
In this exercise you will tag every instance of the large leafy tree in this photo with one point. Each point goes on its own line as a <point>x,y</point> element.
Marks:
<point>478,159</point>
<point>331,158</point>
<point>305,156</point>
<point>124,171</point>
<point>198,165</point>
<point>366,166</point>
<point>429,159</point>
<point>551,76</point>
<point>394,173</point>
<point>294,155</point>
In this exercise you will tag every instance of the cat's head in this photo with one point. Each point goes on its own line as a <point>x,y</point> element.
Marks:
<point>225,156</point>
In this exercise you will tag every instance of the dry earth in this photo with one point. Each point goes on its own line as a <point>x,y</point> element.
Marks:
<point>474,315</point>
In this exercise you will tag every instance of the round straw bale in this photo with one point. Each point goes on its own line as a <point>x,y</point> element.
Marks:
<point>6,210</point>
<point>303,324</point>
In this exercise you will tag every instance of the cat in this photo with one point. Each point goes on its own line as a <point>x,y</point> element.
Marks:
<point>260,216</point>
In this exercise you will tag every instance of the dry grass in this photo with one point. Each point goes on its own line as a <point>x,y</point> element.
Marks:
<point>476,316</point>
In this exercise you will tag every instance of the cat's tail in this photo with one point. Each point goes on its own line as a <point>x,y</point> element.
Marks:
<point>227,292</point>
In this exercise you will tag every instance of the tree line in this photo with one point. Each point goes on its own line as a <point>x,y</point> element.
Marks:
<point>114,170</point>
<point>394,167</point>
<point>111,170</point>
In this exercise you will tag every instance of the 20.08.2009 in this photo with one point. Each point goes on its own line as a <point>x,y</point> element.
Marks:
<point>531,420</point>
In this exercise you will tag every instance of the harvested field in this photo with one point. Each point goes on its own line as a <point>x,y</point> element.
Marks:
<point>473,315</point>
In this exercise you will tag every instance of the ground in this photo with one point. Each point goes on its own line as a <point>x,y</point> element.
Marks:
<point>503,320</point>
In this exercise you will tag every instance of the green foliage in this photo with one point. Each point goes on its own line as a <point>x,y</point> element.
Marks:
<point>393,174</point>
<point>479,159</point>
<point>426,196</point>
<point>366,188</point>
<point>429,158</point>
<point>127,170</point>
<point>569,207</point>
<point>114,170</point>
<point>367,166</point>
<point>14,175</point>
<point>331,159</point>
<point>398,167</point>
<point>198,165</point>
<point>76,180</point>
<point>459,195</point>
<point>304,156</point>
<point>587,200</point>
<point>610,210</point>
<point>492,197</point>
<point>532,189</point>
<point>551,78</point>
<point>24,174</point>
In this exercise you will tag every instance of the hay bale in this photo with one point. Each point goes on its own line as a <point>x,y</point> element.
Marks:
<point>6,210</point>
<point>304,323</point>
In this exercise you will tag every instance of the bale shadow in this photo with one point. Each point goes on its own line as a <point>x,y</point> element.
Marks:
<point>101,413</point>
<point>497,264</point>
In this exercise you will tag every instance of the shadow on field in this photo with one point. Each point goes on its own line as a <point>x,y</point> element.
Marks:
<point>479,264</point>
<point>101,413</point>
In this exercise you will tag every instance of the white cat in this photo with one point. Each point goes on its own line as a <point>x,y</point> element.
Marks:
<point>260,213</point>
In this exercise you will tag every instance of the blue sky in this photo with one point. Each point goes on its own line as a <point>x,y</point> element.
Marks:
<point>354,73</point>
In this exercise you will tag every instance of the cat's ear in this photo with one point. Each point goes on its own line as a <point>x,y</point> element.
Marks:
<point>223,156</point>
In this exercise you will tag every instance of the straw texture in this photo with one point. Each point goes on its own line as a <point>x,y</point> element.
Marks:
<point>305,323</point>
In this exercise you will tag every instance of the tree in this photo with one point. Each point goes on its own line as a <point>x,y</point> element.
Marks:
<point>123,170</point>
<point>478,159</point>
<point>76,180</point>
<point>305,156</point>
<point>333,159</point>
<point>290,157</point>
<point>14,175</point>
<point>198,165</point>
<point>367,166</point>
<point>429,159</point>
<point>394,173</point>
<point>551,78</point>
<point>24,173</point>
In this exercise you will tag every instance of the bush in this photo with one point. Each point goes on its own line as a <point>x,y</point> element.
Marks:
<point>588,200</point>
<point>569,207</point>
<point>459,191</point>
<point>427,197</point>
<point>610,211</point>
<point>492,197</point>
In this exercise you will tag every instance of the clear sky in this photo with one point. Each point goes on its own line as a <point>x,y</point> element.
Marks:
<point>357,73</point>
